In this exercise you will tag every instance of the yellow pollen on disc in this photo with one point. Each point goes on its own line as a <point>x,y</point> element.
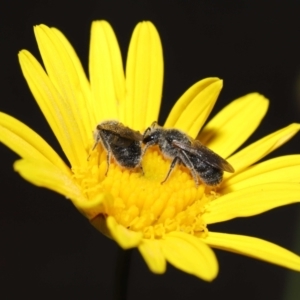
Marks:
<point>140,202</point>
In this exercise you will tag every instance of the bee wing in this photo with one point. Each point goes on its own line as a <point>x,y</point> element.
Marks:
<point>130,134</point>
<point>125,134</point>
<point>208,156</point>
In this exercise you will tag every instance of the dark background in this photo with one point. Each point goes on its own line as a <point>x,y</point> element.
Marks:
<point>47,249</point>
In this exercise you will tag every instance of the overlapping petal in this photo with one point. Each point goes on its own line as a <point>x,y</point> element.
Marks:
<point>27,143</point>
<point>279,169</point>
<point>84,98</point>
<point>125,238</point>
<point>153,255</point>
<point>56,109</point>
<point>194,106</point>
<point>190,255</point>
<point>59,64</point>
<point>251,201</point>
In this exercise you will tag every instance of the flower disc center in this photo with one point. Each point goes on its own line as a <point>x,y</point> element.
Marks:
<point>139,201</point>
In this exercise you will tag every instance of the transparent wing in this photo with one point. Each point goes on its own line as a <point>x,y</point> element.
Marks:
<point>207,155</point>
<point>130,134</point>
<point>117,128</point>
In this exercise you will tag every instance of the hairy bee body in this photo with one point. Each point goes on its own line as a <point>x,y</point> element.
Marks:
<point>180,148</point>
<point>120,142</point>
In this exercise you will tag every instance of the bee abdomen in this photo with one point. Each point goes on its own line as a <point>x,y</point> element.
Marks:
<point>211,176</point>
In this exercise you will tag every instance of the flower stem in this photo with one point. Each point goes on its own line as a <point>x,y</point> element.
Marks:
<point>122,274</point>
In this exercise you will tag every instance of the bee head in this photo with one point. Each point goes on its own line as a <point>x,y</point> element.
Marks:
<point>150,137</point>
<point>152,134</point>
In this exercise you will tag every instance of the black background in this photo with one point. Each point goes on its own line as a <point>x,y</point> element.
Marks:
<point>48,250</point>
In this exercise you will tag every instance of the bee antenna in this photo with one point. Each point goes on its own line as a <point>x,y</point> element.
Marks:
<point>154,124</point>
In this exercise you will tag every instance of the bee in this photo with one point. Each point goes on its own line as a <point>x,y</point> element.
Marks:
<point>121,143</point>
<point>182,149</point>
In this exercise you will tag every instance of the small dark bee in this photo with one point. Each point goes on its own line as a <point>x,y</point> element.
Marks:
<point>120,142</point>
<point>178,146</point>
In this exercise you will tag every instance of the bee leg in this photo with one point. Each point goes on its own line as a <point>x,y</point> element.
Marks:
<point>145,149</point>
<point>95,145</point>
<point>140,167</point>
<point>154,124</point>
<point>146,131</point>
<point>142,170</point>
<point>106,145</point>
<point>195,176</point>
<point>172,166</point>
<point>88,158</point>
<point>187,162</point>
<point>108,158</point>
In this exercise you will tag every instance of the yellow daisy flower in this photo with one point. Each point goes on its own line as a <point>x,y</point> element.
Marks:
<point>167,222</point>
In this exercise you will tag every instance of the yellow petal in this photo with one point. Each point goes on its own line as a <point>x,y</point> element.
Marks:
<point>92,208</point>
<point>45,174</point>
<point>232,126</point>
<point>106,72</point>
<point>194,106</point>
<point>279,169</point>
<point>190,255</point>
<point>59,64</point>
<point>261,148</point>
<point>84,96</point>
<point>152,254</point>
<point>27,143</point>
<point>254,247</point>
<point>55,109</point>
<point>251,201</point>
<point>124,237</point>
<point>144,77</point>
